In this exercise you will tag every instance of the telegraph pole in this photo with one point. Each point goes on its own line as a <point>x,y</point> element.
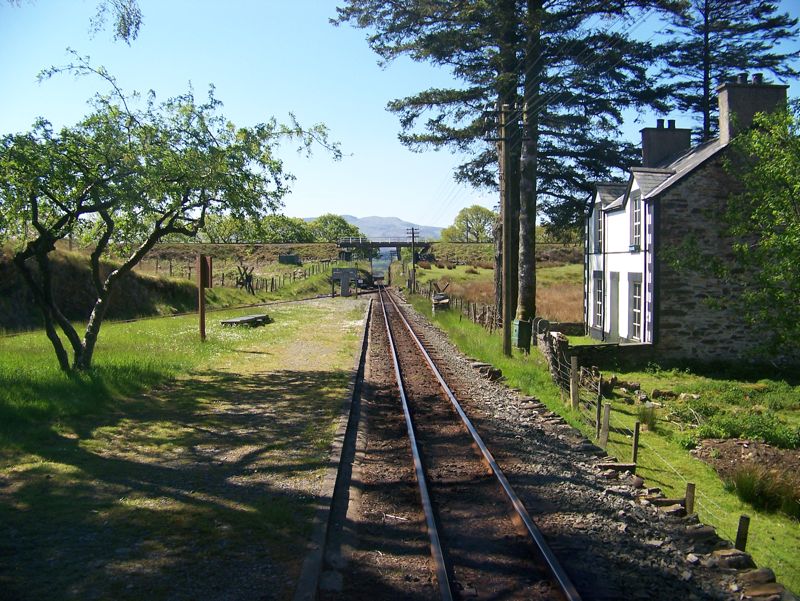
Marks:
<point>413,232</point>
<point>507,148</point>
<point>506,214</point>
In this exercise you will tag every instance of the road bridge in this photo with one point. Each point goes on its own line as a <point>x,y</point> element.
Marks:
<point>351,244</point>
<point>360,243</point>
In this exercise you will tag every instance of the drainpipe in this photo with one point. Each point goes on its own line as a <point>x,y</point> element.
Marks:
<point>586,255</point>
<point>603,249</point>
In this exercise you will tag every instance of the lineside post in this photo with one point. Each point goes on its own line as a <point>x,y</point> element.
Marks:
<point>204,280</point>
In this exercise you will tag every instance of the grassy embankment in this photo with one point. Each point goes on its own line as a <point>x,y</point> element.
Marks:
<point>663,462</point>
<point>173,461</point>
<point>138,294</point>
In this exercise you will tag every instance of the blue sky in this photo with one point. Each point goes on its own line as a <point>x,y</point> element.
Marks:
<point>266,58</point>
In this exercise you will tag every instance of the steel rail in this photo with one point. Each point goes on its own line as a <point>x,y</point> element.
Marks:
<point>556,570</point>
<point>433,532</point>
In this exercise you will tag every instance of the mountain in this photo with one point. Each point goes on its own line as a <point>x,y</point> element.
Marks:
<point>389,227</point>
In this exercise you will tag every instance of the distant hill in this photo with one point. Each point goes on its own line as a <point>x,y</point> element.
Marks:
<point>389,227</point>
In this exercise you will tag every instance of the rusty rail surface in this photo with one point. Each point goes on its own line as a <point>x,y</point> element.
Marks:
<point>554,567</point>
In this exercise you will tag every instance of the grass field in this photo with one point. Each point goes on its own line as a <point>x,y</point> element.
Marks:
<point>175,470</point>
<point>663,461</point>
<point>559,292</point>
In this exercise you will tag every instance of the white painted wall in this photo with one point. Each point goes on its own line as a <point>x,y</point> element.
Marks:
<point>618,257</point>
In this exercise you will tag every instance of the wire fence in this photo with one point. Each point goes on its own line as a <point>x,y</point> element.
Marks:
<point>486,315</point>
<point>583,388</point>
<point>231,274</point>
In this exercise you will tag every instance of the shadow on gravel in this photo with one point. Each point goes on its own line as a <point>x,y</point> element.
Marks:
<point>202,489</point>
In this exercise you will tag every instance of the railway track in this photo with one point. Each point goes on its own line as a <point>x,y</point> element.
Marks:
<point>483,542</point>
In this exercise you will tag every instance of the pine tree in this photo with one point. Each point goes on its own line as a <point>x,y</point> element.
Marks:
<point>573,63</point>
<point>715,40</point>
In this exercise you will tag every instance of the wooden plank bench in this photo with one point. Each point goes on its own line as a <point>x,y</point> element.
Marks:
<point>248,320</point>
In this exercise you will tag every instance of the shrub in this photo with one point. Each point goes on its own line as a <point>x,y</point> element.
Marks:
<point>764,490</point>
<point>648,416</point>
<point>749,424</point>
<point>471,271</point>
<point>423,265</point>
<point>685,440</point>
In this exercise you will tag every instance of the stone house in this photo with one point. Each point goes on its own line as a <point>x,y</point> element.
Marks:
<point>641,234</point>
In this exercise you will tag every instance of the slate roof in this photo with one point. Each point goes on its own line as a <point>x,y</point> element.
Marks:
<point>684,165</point>
<point>618,202</point>
<point>609,191</point>
<point>650,179</point>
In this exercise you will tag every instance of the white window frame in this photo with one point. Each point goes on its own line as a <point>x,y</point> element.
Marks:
<point>598,243</point>
<point>636,220</point>
<point>598,302</point>
<point>636,310</point>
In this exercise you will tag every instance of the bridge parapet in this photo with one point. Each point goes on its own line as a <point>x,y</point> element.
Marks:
<point>379,242</point>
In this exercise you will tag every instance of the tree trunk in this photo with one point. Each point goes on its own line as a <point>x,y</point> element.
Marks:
<point>526,300</point>
<point>47,315</point>
<point>508,83</point>
<point>706,73</point>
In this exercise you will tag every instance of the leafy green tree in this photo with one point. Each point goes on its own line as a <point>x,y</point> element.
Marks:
<point>573,64</point>
<point>472,224</point>
<point>280,229</point>
<point>716,39</point>
<point>332,228</point>
<point>765,222</point>
<point>131,175</point>
<point>226,229</point>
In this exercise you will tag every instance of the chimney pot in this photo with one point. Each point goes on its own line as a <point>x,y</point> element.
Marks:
<point>660,123</point>
<point>671,124</point>
<point>742,77</point>
<point>758,78</point>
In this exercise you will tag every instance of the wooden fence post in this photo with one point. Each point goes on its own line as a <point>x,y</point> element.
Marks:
<point>741,532</point>
<point>574,382</point>
<point>598,417</point>
<point>605,425</point>
<point>636,427</point>
<point>689,503</point>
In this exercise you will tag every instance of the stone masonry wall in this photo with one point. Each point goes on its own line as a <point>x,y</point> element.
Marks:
<point>696,313</point>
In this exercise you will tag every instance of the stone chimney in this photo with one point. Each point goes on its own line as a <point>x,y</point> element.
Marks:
<point>740,100</point>
<point>662,143</point>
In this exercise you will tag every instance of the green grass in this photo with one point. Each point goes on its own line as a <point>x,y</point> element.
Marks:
<point>571,273</point>
<point>469,254</point>
<point>726,405</point>
<point>460,274</point>
<point>174,461</point>
<point>663,461</point>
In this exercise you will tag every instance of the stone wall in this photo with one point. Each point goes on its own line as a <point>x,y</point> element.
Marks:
<point>613,355</point>
<point>697,314</point>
